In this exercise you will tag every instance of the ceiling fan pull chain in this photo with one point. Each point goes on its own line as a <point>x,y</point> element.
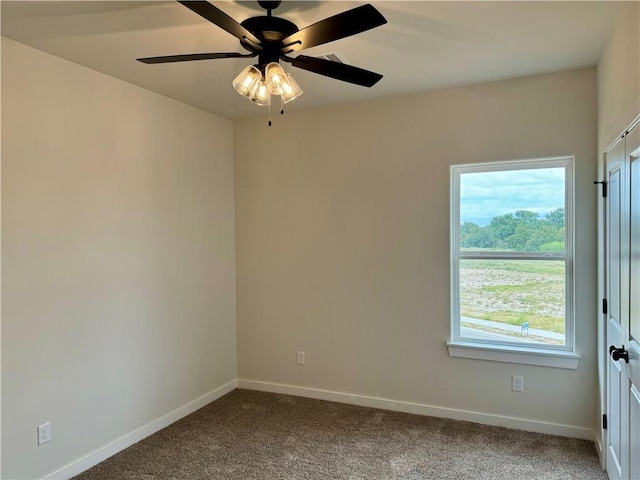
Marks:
<point>281,106</point>
<point>269,113</point>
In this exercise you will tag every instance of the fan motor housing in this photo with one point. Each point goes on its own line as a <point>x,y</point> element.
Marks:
<point>270,29</point>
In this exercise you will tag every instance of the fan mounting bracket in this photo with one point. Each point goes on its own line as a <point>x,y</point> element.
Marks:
<point>269,5</point>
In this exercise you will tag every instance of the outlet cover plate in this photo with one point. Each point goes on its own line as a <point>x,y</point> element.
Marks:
<point>44,433</point>
<point>517,383</point>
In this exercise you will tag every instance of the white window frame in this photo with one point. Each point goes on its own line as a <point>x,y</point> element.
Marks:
<point>561,356</point>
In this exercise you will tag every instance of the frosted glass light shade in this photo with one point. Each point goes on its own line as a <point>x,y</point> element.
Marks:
<point>291,89</point>
<point>260,95</point>
<point>247,80</point>
<point>276,78</point>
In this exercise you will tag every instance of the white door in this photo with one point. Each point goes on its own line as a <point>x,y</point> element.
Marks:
<point>617,295</point>
<point>623,319</point>
<point>632,337</point>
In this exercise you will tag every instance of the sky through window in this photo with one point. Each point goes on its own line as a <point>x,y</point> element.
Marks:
<point>486,195</point>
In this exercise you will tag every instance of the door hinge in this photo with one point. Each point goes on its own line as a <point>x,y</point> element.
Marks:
<point>605,307</point>
<point>604,186</point>
<point>604,421</point>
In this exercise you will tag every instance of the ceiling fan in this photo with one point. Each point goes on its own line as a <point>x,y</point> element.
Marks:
<point>272,39</point>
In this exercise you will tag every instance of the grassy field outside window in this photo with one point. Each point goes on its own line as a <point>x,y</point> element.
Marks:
<point>514,292</point>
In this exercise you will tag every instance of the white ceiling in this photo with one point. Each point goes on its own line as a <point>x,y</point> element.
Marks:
<point>425,44</point>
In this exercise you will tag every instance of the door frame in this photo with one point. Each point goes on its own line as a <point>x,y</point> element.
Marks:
<point>602,354</point>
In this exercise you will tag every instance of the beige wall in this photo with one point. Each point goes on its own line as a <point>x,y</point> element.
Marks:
<point>343,238</point>
<point>118,258</point>
<point>619,76</point>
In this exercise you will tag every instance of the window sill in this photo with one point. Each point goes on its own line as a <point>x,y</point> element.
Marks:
<point>508,354</point>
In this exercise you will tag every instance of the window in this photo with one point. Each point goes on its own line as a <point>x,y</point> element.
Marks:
<point>512,262</point>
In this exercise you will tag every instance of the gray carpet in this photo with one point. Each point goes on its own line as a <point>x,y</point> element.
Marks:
<point>256,435</point>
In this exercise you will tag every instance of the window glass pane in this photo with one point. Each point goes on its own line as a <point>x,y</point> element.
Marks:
<point>513,210</point>
<point>513,301</point>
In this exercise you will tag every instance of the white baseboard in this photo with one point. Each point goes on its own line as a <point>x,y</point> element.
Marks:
<point>597,439</point>
<point>101,454</point>
<point>421,409</point>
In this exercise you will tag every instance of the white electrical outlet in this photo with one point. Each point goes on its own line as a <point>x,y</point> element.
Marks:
<point>44,433</point>
<point>300,358</point>
<point>517,383</point>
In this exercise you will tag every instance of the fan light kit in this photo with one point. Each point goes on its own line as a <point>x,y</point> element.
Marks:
<point>272,39</point>
<point>250,83</point>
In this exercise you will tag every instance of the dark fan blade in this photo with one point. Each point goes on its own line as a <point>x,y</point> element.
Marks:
<point>339,71</point>
<point>194,56</point>
<point>221,19</point>
<point>339,26</point>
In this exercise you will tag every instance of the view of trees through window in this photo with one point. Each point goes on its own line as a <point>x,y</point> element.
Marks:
<point>505,298</point>
<point>522,231</point>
